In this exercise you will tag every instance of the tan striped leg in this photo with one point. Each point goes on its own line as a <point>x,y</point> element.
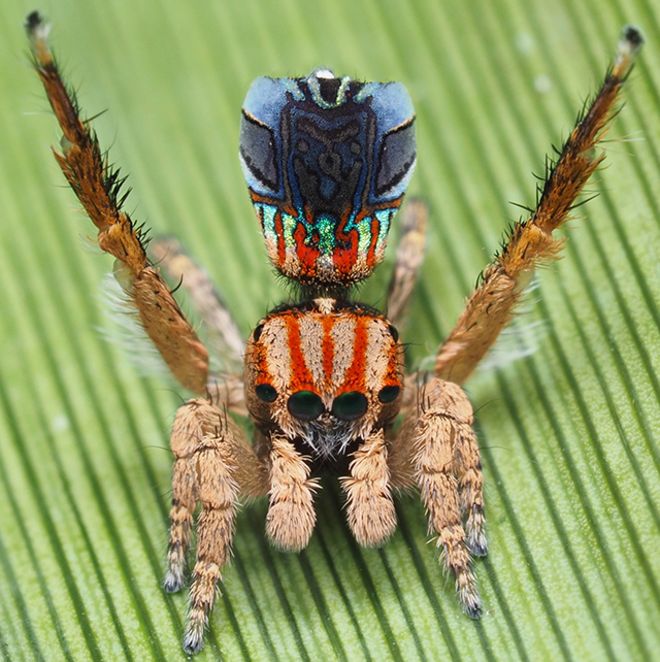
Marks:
<point>491,306</point>
<point>99,189</point>
<point>470,478</point>
<point>409,258</point>
<point>212,464</point>
<point>184,498</point>
<point>369,505</point>
<point>225,339</point>
<point>291,516</point>
<point>436,449</point>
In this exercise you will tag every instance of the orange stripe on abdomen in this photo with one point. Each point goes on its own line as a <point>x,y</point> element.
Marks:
<point>371,252</point>
<point>279,233</point>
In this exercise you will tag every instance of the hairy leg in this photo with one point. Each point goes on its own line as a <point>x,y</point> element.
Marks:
<point>436,450</point>
<point>409,258</point>
<point>467,462</point>
<point>291,516</point>
<point>225,341</point>
<point>213,463</point>
<point>99,188</point>
<point>228,392</point>
<point>531,243</point>
<point>369,506</point>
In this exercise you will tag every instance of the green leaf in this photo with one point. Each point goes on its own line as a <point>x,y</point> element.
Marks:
<point>569,435</point>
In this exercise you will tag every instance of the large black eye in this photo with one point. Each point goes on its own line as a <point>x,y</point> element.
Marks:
<point>349,406</point>
<point>388,394</point>
<point>393,332</point>
<point>305,405</point>
<point>257,333</point>
<point>266,392</point>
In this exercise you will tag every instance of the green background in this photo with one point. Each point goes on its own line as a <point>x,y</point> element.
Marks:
<point>570,460</point>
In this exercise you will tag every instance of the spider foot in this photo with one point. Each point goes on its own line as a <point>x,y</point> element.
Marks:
<point>470,602</point>
<point>376,527</point>
<point>468,593</point>
<point>34,23</point>
<point>174,579</point>
<point>475,533</point>
<point>477,544</point>
<point>372,518</point>
<point>193,639</point>
<point>202,596</point>
<point>455,557</point>
<point>632,39</point>
<point>180,529</point>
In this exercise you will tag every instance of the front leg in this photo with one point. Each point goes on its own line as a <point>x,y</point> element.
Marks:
<point>291,516</point>
<point>369,506</point>
<point>208,447</point>
<point>437,451</point>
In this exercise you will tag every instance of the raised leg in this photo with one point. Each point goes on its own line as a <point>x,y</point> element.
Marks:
<point>409,258</point>
<point>227,392</point>
<point>369,506</point>
<point>225,340</point>
<point>99,188</point>
<point>437,451</point>
<point>530,243</point>
<point>291,516</point>
<point>213,463</point>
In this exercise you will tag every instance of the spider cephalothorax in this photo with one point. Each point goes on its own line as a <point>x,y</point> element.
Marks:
<point>327,161</point>
<point>325,372</point>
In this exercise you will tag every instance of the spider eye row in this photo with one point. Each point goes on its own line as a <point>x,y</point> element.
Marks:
<point>307,405</point>
<point>349,406</point>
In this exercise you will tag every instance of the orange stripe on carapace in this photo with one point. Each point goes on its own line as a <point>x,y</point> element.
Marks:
<point>307,254</point>
<point>261,361</point>
<point>393,375</point>
<point>355,376</point>
<point>301,379</point>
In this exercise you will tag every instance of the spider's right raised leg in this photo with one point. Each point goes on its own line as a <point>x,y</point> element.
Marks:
<point>531,242</point>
